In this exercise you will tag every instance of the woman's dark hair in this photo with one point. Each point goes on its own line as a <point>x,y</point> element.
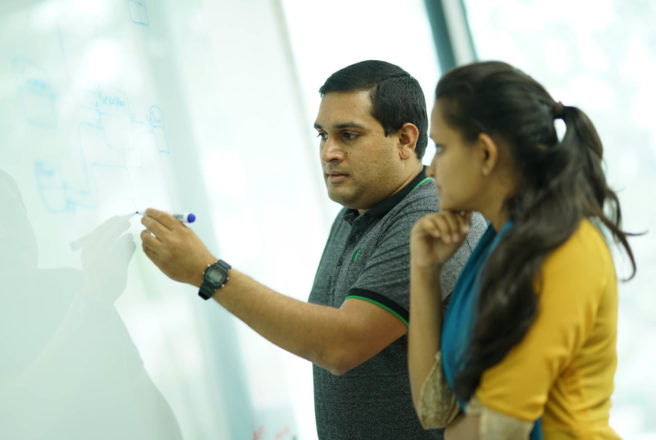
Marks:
<point>560,183</point>
<point>396,97</point>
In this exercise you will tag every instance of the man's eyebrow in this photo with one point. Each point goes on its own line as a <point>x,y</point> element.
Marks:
<point>341,126</point>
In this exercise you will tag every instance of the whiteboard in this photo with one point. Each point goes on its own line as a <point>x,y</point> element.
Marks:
<point>108,107</point>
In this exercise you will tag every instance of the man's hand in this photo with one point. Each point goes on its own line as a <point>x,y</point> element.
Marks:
<point>435,237</point>
<point>174,248</point>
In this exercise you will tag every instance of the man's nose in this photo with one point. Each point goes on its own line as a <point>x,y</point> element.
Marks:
<point>331,151</point>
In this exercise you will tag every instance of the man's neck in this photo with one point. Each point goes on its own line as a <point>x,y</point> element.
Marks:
<point>410,176</point>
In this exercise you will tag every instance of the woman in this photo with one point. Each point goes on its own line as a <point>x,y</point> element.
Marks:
<point>527,347</point>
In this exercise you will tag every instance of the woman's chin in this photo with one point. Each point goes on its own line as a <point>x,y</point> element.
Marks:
<point>446,206</point>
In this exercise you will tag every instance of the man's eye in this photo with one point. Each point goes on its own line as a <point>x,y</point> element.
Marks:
<point>349,136</point>
<point>439,149</point>
<point>322,136</point>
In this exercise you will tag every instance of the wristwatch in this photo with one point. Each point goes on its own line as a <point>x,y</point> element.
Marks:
<point>214,277</point>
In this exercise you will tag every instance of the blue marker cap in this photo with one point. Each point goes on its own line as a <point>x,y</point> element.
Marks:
<point>191,218</point>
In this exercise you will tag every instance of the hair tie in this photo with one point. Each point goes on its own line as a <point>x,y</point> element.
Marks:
<point>558,110</point>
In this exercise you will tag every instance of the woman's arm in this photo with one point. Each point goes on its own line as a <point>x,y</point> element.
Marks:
<point>433,240</point>
<point>425,325</point>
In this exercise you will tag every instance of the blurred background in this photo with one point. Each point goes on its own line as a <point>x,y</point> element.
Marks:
<point>109,106</point>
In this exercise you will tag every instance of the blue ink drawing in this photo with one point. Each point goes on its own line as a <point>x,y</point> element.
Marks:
<point>109,144</point>
<point>65,187</point>
<point>156,122</point>
<point>138,12</point>
<point>114,118</point>
<point>56,193</point>
<point>36,95</point>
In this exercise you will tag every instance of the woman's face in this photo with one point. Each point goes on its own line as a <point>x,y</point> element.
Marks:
<point>456,166</point>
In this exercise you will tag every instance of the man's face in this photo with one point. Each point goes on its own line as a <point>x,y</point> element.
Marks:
<point>361,165</point>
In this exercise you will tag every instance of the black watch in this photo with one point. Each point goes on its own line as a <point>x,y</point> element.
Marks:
<point>214,277</point>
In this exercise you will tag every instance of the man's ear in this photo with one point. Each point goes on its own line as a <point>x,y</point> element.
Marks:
<point>407,135</point>
<point>489,153</point>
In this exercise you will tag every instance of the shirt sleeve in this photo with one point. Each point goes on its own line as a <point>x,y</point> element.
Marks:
<point>573,280</point>
<point>385,277</point>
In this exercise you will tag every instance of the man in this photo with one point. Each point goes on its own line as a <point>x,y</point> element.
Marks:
<point>372,126</point>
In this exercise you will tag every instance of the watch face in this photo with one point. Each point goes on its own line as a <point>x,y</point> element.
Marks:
<point>215,275</point>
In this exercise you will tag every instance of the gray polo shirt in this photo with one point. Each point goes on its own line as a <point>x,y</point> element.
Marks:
<point>367,257</point>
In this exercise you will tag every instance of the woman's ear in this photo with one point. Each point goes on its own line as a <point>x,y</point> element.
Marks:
<point>407,135</point>
<point>489,153</point>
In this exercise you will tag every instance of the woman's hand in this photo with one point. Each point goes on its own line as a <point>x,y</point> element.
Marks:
<point>435,237</point>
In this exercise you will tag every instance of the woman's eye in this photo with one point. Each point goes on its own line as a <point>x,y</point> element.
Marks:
<point>439,149</point>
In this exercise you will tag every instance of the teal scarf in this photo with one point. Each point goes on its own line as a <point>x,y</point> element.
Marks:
<point>461,313</point>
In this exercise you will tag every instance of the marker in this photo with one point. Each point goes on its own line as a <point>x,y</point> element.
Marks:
<point>184,217</point>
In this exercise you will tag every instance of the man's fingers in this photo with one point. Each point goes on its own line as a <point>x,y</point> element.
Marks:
<point>154,227</point>
<point>164,218</point>
<point>149,240</point>
<point>150,253</point>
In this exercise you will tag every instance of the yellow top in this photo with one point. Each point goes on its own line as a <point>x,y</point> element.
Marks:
<point>563,368</point>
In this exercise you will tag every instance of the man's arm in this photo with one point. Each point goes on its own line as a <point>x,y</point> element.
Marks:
<point>335,339</point>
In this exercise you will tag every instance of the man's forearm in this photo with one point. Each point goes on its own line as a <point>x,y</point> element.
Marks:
<point>335,339</point>
<point>320,334</point>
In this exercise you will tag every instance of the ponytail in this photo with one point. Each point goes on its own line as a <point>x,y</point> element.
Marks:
<point>602,202</point>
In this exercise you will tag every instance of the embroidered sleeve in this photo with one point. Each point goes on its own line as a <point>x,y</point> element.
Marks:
<point>437,403</point>
<point>494,425</point>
